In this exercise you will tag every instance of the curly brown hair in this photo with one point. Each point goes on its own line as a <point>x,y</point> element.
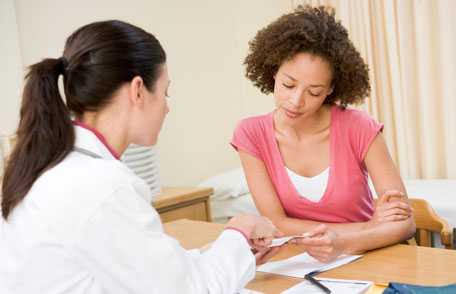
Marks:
<point>311,30</point>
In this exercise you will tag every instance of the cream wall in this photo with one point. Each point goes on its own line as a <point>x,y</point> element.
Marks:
<point>206,41</point>
<point>10,69</point>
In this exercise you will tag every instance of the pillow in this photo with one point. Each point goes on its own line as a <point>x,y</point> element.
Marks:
<point>144,163</point>
<point>230,184</point>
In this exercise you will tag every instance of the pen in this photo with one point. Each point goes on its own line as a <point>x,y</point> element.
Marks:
<point>315,282</point>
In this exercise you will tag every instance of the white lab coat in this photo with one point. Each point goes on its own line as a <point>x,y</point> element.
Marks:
<point>87,226</point>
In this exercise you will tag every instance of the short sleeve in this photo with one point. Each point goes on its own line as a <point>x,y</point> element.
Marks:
<point>364,130</point>
<point>246,138</point>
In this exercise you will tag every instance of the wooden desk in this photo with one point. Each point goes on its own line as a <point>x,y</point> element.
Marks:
<point>399,263</point>
<point>175,203</point>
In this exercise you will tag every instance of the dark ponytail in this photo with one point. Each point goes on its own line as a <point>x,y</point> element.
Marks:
<point>45,134</point>
<point>98,58</point>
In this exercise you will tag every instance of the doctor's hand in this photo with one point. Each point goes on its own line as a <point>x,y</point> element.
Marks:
<point>259,230</point>
<point>391,206</point>
<point>322,243</point>
<point>262,256</point>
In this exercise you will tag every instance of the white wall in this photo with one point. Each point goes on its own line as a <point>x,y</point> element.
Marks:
<point>10,69</point>
<point>206,41</point>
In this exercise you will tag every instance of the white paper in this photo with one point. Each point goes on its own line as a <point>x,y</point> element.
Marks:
<point>335,285</point>
<point>281,241</point>
<point>300,265</point>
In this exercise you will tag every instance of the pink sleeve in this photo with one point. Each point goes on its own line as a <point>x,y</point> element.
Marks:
<point>246,139</point>
<point>365,130</point>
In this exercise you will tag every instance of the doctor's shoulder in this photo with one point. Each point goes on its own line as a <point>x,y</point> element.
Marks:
<point>92,178</point>
<point>79,186</point>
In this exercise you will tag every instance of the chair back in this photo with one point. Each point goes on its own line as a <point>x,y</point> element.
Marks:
<point>427,221</point>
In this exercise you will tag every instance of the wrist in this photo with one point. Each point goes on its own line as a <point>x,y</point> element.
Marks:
<point>348,243</point>
<point>241,232</point>
<point>368,225</point>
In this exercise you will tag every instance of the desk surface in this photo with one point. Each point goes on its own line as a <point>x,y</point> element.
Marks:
<point>399,263</point>
<point>174,195</point>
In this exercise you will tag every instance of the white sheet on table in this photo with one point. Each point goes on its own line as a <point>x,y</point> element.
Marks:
<point>336,286</point>
<point>300,265</point>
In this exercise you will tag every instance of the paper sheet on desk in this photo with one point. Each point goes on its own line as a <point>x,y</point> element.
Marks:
<point>335,285</point>
<point>300,265</point>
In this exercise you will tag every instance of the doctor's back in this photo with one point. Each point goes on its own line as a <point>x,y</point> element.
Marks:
<point>55,239</point>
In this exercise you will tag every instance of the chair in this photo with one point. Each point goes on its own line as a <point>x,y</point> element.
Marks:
<point>427,222</point>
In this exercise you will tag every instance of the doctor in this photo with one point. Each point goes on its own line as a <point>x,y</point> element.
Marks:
<point>75,219</point>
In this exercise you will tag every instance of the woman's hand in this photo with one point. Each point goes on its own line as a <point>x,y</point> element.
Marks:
<point>322,243</point>
<point>391,206</point>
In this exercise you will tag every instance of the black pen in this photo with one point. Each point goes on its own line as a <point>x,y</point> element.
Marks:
<point>314,281</point>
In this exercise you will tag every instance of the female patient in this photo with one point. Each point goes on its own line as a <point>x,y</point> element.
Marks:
<point>75,219</point>
<point>307,162</point>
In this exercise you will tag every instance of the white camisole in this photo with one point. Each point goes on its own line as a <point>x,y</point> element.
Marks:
<point>310,188</point>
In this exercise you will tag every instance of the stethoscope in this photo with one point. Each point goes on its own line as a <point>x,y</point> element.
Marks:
<point>86,152</point>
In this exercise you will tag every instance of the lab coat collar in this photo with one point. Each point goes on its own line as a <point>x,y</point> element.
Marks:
<point>93,141</point>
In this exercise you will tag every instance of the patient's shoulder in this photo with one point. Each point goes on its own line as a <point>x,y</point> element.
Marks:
<point>258,123</point>
<point>354,116</point>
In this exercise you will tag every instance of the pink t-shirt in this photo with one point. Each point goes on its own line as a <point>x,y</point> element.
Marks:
<point>347,197</point>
